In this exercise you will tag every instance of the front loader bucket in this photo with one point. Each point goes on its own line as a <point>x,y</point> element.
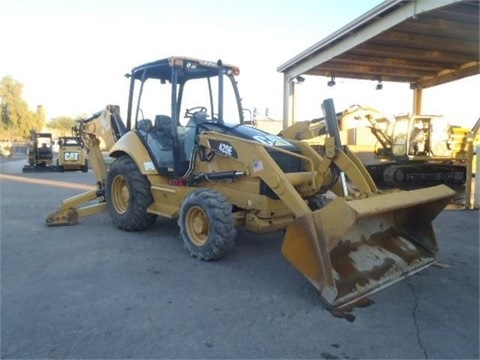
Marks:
<point>351,249</point>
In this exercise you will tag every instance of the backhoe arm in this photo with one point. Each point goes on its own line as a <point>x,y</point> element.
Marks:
<point>103,126</point>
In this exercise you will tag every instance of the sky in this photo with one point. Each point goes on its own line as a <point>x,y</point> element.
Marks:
<point>71,55</point>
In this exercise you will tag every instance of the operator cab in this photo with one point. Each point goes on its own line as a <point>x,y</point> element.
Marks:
<point>169,101</point>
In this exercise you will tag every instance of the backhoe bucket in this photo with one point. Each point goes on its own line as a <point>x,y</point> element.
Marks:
<point>351,249</point>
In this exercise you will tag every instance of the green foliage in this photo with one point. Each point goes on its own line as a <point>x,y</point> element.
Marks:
<point>61,126</point>
<point>39,118</point>
<point>16,120</point>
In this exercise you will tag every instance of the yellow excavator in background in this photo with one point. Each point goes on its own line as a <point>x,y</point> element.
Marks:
<point>198,162</point>
<point>418,150</point>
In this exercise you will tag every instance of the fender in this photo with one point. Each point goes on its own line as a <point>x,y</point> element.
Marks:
<point>131,145</point>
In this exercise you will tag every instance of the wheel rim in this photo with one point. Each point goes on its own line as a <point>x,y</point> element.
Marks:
<point>120,194</point>
<point>197,225</point>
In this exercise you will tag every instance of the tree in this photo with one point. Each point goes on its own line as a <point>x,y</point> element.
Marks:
<point>39,118</point>
<point>16,119</point>
<point>61,126</point>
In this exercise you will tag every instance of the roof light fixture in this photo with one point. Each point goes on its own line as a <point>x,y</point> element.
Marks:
<point>331,82</point>
<point>299,79</point>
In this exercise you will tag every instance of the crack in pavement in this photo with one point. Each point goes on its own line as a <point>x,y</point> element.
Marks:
<point>419,339</point>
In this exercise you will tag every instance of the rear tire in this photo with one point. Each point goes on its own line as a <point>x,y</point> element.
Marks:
<point>85,167</point>
<point>207,224</point>
<point>128,196</point>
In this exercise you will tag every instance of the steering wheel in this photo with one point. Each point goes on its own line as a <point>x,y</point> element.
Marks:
<point>192,111</point>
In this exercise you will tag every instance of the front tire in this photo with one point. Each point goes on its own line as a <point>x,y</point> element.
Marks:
<point>128,196</point>
<point>207,224</point>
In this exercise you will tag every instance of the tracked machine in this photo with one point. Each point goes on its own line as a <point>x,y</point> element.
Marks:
<point>421,149</point>
<point>186,154</point>
<point>411,151</point>
<point>39,153</point>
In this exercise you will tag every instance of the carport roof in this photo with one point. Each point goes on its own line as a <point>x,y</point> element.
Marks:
<point>421,42</point>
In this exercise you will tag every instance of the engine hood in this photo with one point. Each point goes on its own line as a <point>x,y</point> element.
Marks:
<point>249,133</point>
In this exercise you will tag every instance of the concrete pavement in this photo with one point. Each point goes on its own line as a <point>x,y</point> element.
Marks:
<point>93,291</point>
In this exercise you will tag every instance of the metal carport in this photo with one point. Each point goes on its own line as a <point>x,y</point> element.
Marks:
<point>420,42</point>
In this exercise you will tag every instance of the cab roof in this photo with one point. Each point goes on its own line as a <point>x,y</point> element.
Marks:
<point>192,69</point>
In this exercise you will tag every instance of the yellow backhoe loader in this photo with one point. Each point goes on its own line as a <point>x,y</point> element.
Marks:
<point>213,173</point>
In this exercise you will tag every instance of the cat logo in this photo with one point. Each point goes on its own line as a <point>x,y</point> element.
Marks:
<point>71,156</point>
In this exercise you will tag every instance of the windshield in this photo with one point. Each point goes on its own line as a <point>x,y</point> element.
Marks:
<point>194,95</point>
<point>203,93</point>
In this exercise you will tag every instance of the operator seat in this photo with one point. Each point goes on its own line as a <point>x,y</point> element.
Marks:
<point>144,125</point>
<point>162,131</point>
<point>44,151</point>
